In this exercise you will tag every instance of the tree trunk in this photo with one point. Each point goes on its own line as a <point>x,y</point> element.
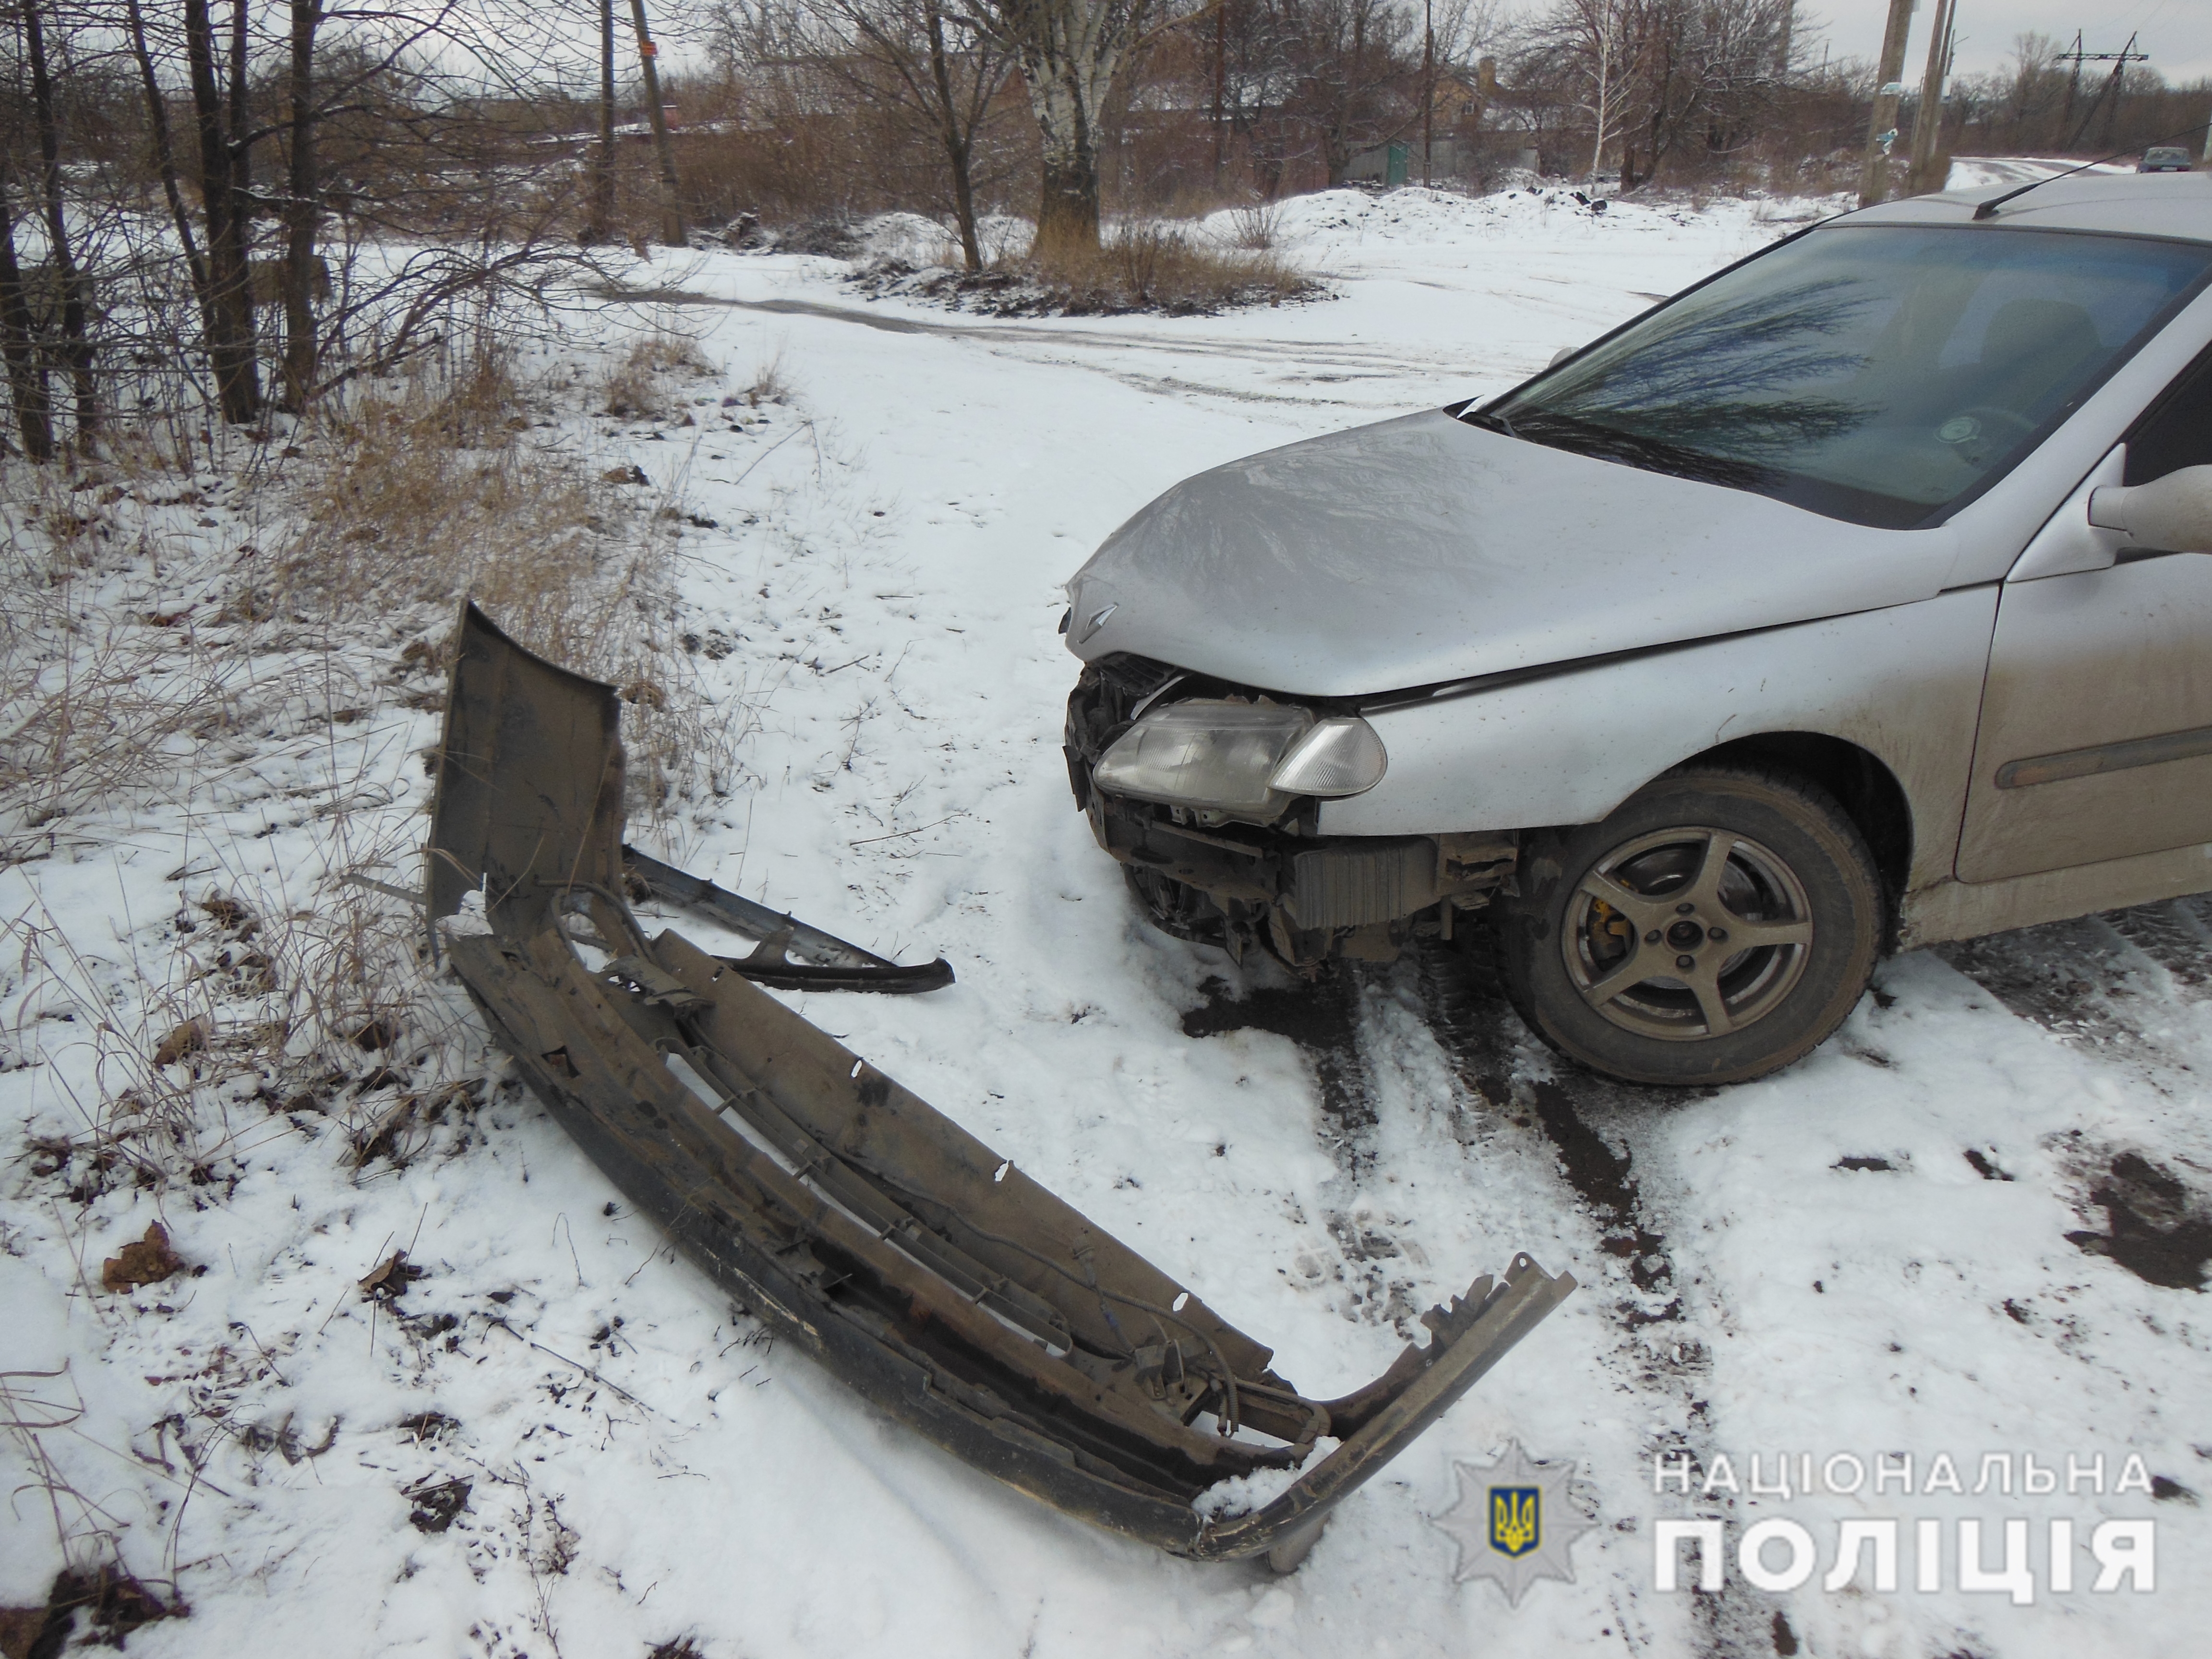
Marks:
<point>1069,50</point>
<point>165,154</point>
<point>599,226</point>
<point>1220,90</point>
<point>26,376</point>
<point>958,145</point>
<point>1428,93</point>
<point>301,212</point>
<point>230,297</point>
<point>76,342</point>
<point>1603,108</point>
<point>1336,156</point>
<point>671,207</point>
<point>240,120</point>
<point>1067,208</point>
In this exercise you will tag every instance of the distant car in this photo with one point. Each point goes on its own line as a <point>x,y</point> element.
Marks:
<point>2165,158</point>
<point>1844,603</point>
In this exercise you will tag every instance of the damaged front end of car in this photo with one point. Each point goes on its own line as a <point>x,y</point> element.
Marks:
<point>1209,796</point>
<point>929,1274</point>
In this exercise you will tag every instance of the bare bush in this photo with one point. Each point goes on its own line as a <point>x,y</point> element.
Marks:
<point>1256,225</point>
<point>1147,266</point>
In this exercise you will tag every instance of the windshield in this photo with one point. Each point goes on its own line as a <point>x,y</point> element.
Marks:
<point>1876,373</point>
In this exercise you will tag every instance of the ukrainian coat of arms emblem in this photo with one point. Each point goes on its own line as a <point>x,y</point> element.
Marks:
<point>1512,1522</point>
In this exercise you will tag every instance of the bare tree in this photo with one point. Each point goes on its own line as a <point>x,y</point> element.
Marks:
<point>1647,76</point>
<point>1317,82</point>
<point>940,71</point>
<point>1069,51</point>
<point>1352,80</point>
<point>27,375</point>
<point>76,333</point>
<point>1588,50</point>
<point>230,348</point>
<point>301,209</point>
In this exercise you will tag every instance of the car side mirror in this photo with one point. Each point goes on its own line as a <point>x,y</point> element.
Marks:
<point>2173,514</point>
<point>1561,356</point>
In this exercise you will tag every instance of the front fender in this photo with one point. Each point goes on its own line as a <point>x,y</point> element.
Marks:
<point>1568,745</point>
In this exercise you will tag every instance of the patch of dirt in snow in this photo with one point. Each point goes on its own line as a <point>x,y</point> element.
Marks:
<point>2155,1226</point>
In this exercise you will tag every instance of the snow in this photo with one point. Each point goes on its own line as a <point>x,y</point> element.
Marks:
<point>888,560</point>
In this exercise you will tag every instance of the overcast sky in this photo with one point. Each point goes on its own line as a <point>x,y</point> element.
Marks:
<point>2177,33</point>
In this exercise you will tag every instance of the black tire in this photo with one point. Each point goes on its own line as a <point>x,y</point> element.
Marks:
<point>1597,954</point>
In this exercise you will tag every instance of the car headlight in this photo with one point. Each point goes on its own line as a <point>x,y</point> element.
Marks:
<point>1244,757</point>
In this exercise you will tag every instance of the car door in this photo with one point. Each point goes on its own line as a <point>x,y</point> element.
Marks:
<point>2095,739</point>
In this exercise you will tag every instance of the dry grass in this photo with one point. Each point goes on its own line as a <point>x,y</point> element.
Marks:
<point>294,1004</point>
<point>277,1012</point>
<point>1153,267</point>
<point>645,382</point>
<point>91,702</point>
<point>443,491</point>
<point>769,385</point>
<point>1139,266</point>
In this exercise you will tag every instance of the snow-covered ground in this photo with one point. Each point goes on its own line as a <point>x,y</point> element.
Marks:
<point>1868,1255</point>
<point>1987,172</point>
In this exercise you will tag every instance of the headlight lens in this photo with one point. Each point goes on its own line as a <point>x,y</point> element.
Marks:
<point>1205,753</point>
<point>1243,758</point>
<point>1340,756</point>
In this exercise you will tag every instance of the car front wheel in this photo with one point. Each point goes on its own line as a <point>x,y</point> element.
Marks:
<point>1717,925</point>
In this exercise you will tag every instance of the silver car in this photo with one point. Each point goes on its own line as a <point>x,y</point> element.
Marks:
<point>1842,604</point>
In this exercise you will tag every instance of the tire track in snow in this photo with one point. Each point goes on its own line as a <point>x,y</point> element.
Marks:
<point>2108,984</point>
<point>1320,363</point>
<point>1586,1129</point>
<point>1593,1127</point>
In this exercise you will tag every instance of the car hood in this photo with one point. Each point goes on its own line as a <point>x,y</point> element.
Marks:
<point>1423,549</point>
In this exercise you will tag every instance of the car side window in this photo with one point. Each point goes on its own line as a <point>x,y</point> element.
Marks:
<point>2177,430</point>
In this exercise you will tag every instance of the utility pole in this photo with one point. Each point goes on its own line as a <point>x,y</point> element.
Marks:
<point>1881,120</point>
<point>1927,119</point>
<point>2108,96</point>
<point>600,225</point>
<point>672,206</point>
<point>2073,82</point>
<point>2118,83</point>
<point>1428,87</point>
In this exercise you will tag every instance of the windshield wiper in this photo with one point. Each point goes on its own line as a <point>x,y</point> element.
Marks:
<point>1609,443</point>
<point>1492,422</point>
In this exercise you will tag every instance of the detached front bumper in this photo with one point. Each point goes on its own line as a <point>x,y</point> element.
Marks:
<point>1305,897</point>
<point>868,1230</point>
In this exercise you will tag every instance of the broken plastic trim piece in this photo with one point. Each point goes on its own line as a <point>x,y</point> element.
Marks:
<point>826,962</point>
<point>920,1268</point>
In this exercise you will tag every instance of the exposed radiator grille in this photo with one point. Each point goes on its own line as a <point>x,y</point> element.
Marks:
<point>1349,886</point>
